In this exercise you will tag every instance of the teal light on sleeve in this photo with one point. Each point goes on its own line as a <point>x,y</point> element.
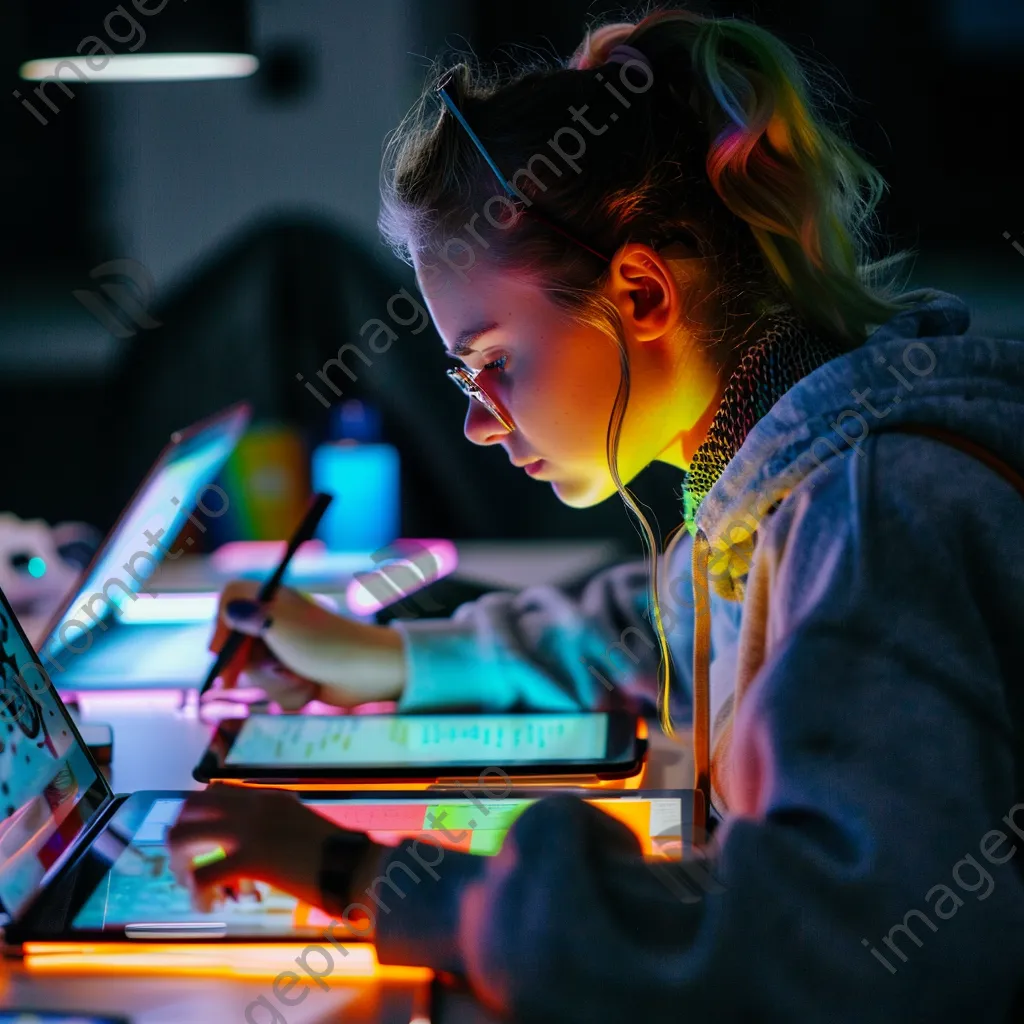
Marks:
<point>36,567</point>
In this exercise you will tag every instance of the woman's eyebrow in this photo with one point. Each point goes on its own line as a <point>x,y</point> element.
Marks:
<point>465,340</point>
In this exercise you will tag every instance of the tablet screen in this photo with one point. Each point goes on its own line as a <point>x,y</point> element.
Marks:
<point>139,894</point>
<point>386,741</point>
<point>50,787</point>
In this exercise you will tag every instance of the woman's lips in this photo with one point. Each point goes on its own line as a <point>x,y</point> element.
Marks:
<point>533,468</point>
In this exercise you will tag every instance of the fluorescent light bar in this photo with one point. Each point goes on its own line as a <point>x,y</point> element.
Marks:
<point>183,608</point>
<point>142,67</point>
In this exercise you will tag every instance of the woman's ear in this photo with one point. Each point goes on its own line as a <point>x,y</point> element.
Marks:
<point>645,292</point>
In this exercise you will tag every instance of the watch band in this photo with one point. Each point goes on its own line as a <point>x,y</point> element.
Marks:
<point>341,856</point>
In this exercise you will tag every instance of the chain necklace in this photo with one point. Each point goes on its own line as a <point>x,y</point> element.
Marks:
<point>785,353</point>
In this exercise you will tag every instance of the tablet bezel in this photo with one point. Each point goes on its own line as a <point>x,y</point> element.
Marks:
<point>623,739</point>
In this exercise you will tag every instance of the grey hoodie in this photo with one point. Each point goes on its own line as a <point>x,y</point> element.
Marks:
<point>866,677</point>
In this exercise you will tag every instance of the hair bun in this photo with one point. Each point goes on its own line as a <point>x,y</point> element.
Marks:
<point>598,44</point>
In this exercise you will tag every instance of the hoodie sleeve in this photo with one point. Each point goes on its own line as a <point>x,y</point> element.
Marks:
<point>544,649</point>
<point>865,874</point>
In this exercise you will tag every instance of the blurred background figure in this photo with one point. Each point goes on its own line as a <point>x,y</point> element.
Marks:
<point>171,246</point>
<point>40,563</point>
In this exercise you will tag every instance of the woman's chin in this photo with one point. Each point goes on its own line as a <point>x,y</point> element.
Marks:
<point>582,493</point>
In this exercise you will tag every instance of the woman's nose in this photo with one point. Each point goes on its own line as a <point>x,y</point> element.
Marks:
<point>481,427</point>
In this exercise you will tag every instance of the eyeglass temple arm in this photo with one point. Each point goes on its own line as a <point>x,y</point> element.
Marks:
<point>506,185</point>
<point>479,145</point>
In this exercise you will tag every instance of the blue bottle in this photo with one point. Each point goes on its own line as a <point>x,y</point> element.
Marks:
<point>362,473</point>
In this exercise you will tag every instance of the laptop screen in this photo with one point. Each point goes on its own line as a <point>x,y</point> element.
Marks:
<point>50,787</point>
<point>147,531</point>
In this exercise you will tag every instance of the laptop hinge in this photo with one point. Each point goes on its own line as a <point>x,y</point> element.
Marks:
<point>84,841</point>
<point>99,823</point>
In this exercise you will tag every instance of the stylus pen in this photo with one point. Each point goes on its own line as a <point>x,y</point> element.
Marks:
<point>235,640</point>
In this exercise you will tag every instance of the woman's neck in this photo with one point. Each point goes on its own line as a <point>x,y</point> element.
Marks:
<point>687,438</point>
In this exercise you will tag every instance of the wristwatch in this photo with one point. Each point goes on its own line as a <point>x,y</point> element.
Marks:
<point>343,855</point>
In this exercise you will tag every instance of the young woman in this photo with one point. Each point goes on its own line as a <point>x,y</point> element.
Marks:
<point>658,252</point>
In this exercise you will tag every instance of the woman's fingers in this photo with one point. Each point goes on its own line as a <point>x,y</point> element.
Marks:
<point>224,871</point>
<point>219,839</point>
<point>280,685</point>
<point>210,827</point>
<point>236,590</point>
<point>187,857</point>
<point>237,595</point>
<point>300,626</point>
<point>246,615</point>
<point>298,632</point>
<point>228,835</point>
<point>352,662</point>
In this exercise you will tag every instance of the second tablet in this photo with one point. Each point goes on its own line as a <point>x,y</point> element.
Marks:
<point>294,749</point>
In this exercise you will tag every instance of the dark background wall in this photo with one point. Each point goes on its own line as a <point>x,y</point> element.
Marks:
<point>252,206</point>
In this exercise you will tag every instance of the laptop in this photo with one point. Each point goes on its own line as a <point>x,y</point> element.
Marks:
<point>82,868</point>
<point>79,647</point>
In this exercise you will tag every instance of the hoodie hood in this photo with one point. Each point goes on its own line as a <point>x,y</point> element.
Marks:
<point>919,367</point>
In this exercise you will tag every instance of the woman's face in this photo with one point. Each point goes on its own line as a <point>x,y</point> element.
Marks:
<point>558,381</point>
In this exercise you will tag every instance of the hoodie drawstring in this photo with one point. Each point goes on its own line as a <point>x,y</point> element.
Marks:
<point>701,685</point>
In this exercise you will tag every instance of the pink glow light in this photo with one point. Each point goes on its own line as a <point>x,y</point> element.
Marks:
<point>430,560</point>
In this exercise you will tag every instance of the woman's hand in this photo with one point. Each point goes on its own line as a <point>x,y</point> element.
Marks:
<point>266,835</point>
<point>303,652</point>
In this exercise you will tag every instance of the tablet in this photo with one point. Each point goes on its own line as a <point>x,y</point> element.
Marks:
<point>124,889</point>
<point>326,748</point>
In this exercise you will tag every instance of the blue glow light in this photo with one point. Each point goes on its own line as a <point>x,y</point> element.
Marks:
<point>36,567</point>
<point>364,479</point>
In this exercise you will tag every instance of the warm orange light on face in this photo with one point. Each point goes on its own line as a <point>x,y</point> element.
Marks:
<point>217,960</point>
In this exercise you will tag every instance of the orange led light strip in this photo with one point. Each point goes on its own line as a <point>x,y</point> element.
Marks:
<point>221,960</point>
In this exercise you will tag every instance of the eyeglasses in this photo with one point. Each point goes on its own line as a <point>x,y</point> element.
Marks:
<point>472,388</point>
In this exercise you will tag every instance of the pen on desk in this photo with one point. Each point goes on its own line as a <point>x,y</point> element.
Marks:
<point>236,642</point>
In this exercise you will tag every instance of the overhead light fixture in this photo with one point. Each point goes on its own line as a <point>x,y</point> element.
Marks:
<point>137,41</point>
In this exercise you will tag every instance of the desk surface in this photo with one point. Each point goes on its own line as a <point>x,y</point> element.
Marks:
<point>156,745</point>
<point>194,1000</point>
